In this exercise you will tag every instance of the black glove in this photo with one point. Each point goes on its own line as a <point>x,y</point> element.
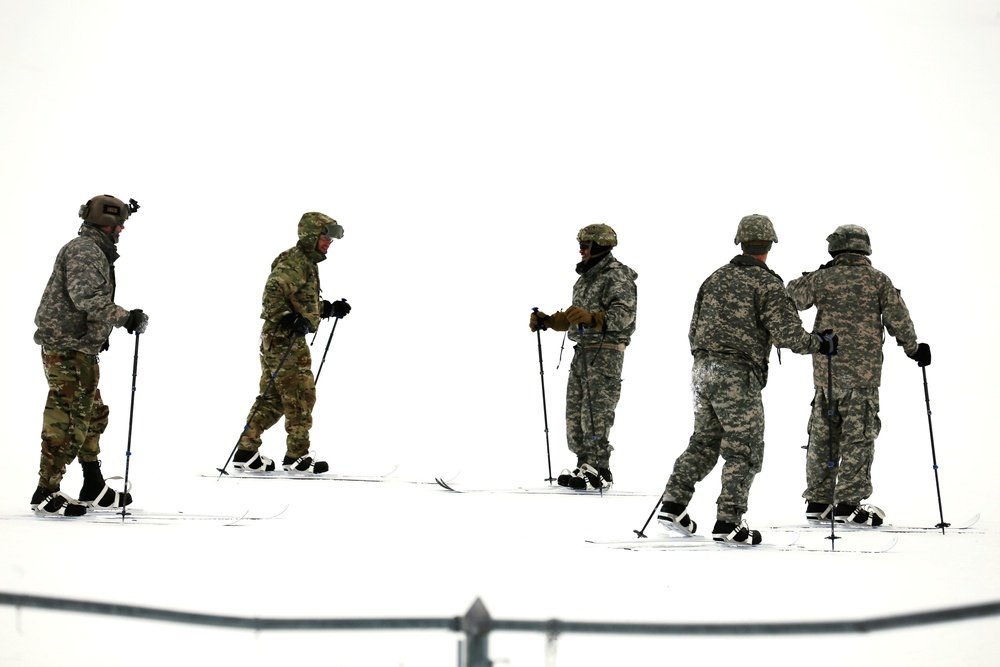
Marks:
<point>325,309</point>
<point>828,343</point>
<point>340,308</point>
<point>136,321</point>
<point>107,345</point>
<point>296,324</point>
<point>923,355</point>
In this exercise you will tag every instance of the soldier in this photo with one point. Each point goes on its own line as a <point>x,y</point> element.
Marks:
<point>741,310</point>
<point>74,318</point>
<point>291,308</point>
<point>851,297</point>
<point>601,322</point>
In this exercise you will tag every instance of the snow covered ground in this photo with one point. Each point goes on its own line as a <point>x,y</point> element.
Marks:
<point>462,146</point>
<point>371,550</point>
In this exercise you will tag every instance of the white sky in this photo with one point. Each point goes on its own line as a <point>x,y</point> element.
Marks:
<point>462,145</point>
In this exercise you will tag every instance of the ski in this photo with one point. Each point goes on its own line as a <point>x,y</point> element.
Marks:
<point>321,477</point>
<point>695,543</point>
<point>140,516</point>
<point>551,490</point>
<point>814,526</point>
<point>787,542</point>
<point>851,543</point>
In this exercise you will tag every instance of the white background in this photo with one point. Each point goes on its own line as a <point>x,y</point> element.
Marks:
<point>462,145</point>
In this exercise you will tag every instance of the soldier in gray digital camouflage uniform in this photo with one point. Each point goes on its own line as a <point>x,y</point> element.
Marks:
<point>740,312</point>
<point>74,321</point>
<point>601,322</point>
<point>861,302</point>
<point>291,308</point>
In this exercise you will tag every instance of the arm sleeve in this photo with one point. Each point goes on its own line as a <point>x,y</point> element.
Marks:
<point>621,297</point>
<point>800,291</point>
<point>279,293</point>
<point>88,285</point>
<point>896,317</point>
<point>782,320</point>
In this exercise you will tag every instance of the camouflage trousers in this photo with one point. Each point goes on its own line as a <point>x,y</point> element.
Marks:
<point>74,416</point>
<point>592,393</point>
<point>292,396</point>
<point>856,425</point>
<point>728,422</point>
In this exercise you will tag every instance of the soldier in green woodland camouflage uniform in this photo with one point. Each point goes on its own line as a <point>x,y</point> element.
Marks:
<point>851,297</point>
<point>741,311</point>
<point>291,308</point>
<point>601,322</point>
<point>74,318</point>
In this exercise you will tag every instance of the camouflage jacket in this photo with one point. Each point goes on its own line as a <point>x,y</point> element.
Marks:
<point>609,287</point>
<point>77,310</point>
<point>859,303</point>
<point>293,285</point>
<point>741,310</point>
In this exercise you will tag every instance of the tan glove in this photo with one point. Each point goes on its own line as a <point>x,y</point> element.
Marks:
<point>577,316</point>
<point>556,321</point>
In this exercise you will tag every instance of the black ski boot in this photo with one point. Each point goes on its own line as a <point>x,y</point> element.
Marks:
<point>252,461</point>
<point>818,511</point>
<point>859,515</point>
<point>735,533</point>
<point>96,492</point>
<point>56,503</point>
<point>673,516</point>
<point>305,464</point>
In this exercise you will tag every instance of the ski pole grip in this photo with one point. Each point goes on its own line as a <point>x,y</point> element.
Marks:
<point>538,323</point>
<point>345,301</point>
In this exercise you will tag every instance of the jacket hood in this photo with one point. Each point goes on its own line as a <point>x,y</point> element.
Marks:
<point>310,226</point>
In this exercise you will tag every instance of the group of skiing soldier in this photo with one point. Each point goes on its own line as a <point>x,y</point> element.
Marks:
<point>78,312</point>
<point>741,311</point>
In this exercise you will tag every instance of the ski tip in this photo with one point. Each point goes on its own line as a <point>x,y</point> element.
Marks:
<point>443,484</point>
<point>236,521</point>
<point>790,540</point>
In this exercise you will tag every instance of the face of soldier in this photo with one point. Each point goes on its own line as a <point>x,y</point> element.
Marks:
<point>113,232</point>
<point>323,244</point>
<point>584,250</point>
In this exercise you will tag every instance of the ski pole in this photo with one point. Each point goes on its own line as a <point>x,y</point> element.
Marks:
<point>930,426</point>
<point>586,374</point>
<point>131,412</point>
<point>256,406</point>
<point>545,410</point>
<point>831,464</point>
<point>641,532</point>
<point>586,382</point>
<point>315,333</point>
<point>328,341</point>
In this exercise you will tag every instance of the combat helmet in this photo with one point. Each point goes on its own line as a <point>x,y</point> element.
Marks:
<point>755,227</point>
<point>600,234</point>
<point>107,211</point>
<point>849,238</point>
